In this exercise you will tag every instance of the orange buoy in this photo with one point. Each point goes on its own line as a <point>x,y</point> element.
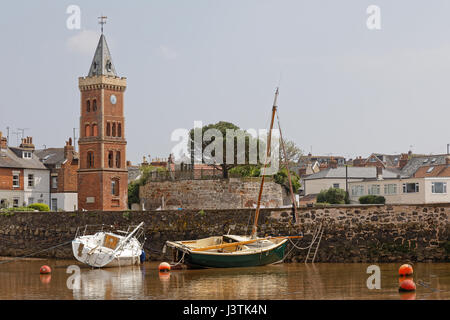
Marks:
<point>45,278</point>
<point>407,285</point>
<point>403,278</point>
<point>164,267</point>
<point>45,270</point>
<point>405,270</point>
<point>408,295</point>
<point>164,276</point>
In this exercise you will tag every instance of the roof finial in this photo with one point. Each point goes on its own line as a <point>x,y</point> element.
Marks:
<point>102,21</point>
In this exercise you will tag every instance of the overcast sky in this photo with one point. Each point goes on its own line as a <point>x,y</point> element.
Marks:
<point>344,89</point>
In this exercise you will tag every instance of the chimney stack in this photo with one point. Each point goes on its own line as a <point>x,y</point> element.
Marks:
<point>3,141</point>
<point>379,173</point>
<point>403,160</point>
<point>27,143</point>
<point>68,150</point>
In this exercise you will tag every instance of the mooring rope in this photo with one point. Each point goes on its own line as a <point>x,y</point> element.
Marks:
<point>34,253</point>
<point>294,246</point>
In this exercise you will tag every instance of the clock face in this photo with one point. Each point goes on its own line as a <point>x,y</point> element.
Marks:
<point>113,99</point>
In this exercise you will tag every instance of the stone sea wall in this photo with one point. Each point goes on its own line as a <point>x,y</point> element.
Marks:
<point>375,233</point>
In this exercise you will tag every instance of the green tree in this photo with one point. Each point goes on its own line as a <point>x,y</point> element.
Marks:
<point>206,145</point>
<point>372,199</point>
<point>281,177</point>
<point>332,196</point>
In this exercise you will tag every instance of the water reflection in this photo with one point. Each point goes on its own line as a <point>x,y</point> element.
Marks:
<point>110,283</point>
<point>21,280</point>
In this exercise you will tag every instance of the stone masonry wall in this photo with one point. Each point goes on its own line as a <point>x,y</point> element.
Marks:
<point>210,194</point>
<point>376,233</point>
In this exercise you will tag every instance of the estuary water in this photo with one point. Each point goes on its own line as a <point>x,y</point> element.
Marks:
<point>20,280</point>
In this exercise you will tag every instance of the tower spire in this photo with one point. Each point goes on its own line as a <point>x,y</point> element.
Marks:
<point>102,21</point>
<point>102,64</point>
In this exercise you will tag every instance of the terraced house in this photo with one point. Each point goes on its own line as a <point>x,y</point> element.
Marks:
<point>23,178</point>
<point>422,180</point>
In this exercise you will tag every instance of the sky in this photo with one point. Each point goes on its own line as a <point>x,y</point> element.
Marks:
<point>345,89</point>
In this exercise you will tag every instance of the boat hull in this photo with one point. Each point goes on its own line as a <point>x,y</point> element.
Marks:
<point>222,260</point>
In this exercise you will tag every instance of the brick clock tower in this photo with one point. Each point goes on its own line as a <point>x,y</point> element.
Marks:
<point>102,175</point>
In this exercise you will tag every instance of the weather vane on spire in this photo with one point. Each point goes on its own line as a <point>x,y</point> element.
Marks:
<point>102,21</point>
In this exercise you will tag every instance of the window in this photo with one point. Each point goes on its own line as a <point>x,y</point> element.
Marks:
<point>114,129</point>
<point>54,204</point>
<point>88,106</point>
<point>374,189</point>
<point>15,202</point>
<point>31,180</point>
<point>357,190</point>
<point>119,129</point>
<point>26,155</point>
<point>439,187</point>
<point>30,200</point>
<point>3,203</point>
<point>115,187</point>
<point>110,159</point>
<point>90,159</point>
<point>118,159</point>
<point>94,105</point>
<point>16,181</point>
<point>373,159</point>
<point>55,182</point>
<point>108,129</point>
<point>410,187</point>
<point>390,189</point>
<point>87,131</point>
<point>94,130</point>
<point>430,169</point>
<point>336,185</point>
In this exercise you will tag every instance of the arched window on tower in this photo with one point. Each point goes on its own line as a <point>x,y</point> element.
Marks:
<point>87,130</point>
<point>114,129</point>
<point>90,159</point>
<point>115,187</point>
<point>88,106</point>
<point>108,129</point>
<point>119,129</point>
<point>94,130</point>
<point>110,159</point>
<point>94,105</point>
<point>117,159</point>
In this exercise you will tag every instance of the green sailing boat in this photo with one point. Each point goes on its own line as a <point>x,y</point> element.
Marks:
<point>230,251</point>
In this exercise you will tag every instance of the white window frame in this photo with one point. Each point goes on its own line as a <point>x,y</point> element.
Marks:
<point>16,181</point>
<point>372,187</point>
<point>27,154</point>
<point>358,190</point>
<point>387,189</point>
<point>444,187</point>
<point>416,187</point>
<point>31,180</point>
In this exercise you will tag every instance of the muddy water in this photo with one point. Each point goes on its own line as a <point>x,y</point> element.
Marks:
<point>21,280</point>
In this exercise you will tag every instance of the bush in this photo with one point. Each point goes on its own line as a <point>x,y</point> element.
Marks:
<point>332,196</point>
<point>39,206</point>
<point>372,199</point>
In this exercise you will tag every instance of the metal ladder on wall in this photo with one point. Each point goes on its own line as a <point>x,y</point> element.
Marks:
<point>314,247</point>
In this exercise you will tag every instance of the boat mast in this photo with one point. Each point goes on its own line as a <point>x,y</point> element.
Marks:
<point>274,110</point>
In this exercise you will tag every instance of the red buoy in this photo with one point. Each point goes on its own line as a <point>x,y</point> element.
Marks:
<point>45,278</point>
<point>405,270</point>
<point>407,285</point>
<point>45,270</point>
<point>164,267</point>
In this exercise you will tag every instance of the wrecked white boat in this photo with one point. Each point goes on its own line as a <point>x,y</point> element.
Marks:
<point>107,248</point>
